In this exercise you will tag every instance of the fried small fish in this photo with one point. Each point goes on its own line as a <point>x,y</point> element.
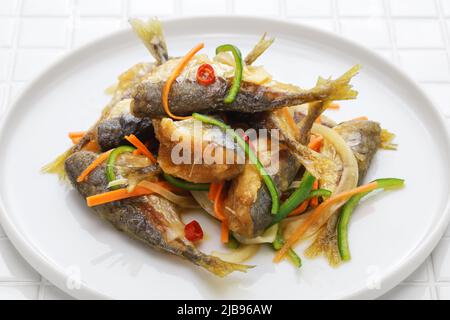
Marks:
<point>188,96</point>
<point>248,201</point>
<point>114,123</point>
<point>150,219</point>
<point>116,120</point>
<point>364,139</point>
<point>197,152</point>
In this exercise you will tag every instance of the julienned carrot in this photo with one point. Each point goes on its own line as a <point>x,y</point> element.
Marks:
<point>334,106</point>
<point>318,120</point>
<point>100,159</point>
<point>218,205</point>
<point>92,146</point>
<point>300,209</point>
<point>212,191</point>
<point>300,231</point>
<point>224,232</point>
<point>314,202</point>
<point>116,195</point>
<point>140,146</point>
<point>175,73</point>
<point>290,121</point>
<point>304,205</point>
<point>218,211</point>
<point>361,118</point>
<point>316,143</point>
<point>76,134</point>
<point>75,140</point>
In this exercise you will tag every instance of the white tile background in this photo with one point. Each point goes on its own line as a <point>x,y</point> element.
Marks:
<point>415,34</point>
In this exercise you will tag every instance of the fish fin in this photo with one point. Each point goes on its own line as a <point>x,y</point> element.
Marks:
<point>386,140</point>
<point>317,164</point>
<point>221,268</point>
<point>315,109</point>
<point>325,243</point>
<point>262,45</point>
<point>151,34</point>
<point>340,88</point>
<point>57,165</point>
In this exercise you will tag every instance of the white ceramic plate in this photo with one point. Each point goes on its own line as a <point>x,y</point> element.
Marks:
<point>50,225</point>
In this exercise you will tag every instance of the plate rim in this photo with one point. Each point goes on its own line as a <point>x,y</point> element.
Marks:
<point>389,279</point>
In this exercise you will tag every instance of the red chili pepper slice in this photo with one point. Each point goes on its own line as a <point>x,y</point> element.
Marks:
<point>205,74</point>
<point>193,231</point>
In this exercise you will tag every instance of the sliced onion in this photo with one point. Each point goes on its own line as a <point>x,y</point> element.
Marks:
<point>267,237</point>
<point>349,180</point>
<point>238,255</point>
<point>185,202</point>
<point>295,184</point>
<point>202,199</point>
<point>117,182</point>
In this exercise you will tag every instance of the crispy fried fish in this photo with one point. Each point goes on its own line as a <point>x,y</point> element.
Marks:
<point>188,96</point>
<point>116,120</point>
<point>364,139</point>
<point>248,202</point>
<point>150,219</point>
<point>197,152</point>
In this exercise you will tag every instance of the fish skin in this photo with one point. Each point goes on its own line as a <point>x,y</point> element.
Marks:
<point>188,96</point>
<point>146,218</point>
<point>111,132</point>
<point>251,207</point>
<point>364,138</point>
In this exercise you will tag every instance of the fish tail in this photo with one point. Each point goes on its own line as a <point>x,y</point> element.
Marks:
<point>325,243</point>
<point>151,34</point>
<point>262,45</point>
<point>57,165</point>
<point>221,268</point>
<point>340,88</point>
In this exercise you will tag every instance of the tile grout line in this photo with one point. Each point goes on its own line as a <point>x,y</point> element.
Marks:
<point>125,12</point>
<point>72,25</point>
<point>444,30</point>
<point>391,31</point>
<point>335,17</point>
<point>432,278</point>
<point>70,34</point>
<point>178,8</point>
<point>13,56</point>
<point>282,8</point>
<point>230,6</point>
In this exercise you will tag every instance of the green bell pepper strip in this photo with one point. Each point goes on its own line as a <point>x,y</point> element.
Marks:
<point>350,205</point>
<point>232,242</point>
<point>185,184</point>
<point>278,243</point>
<point>297,197</point>
<point>251,155</point>
<point>110,163</point>
<point>237,72</point>
<point>319,193</point>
